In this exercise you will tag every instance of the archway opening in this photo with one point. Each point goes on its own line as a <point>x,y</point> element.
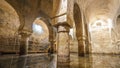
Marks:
<point>79,29</point>
<point>39,40</point>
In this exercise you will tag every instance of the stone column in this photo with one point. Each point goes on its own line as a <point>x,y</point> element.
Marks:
<point>81,46</point>
<point>24,43</point>
<point>51,47</point>
<point>63,43</point>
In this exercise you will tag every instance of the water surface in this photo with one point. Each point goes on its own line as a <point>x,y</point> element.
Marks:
<point>50,61</point>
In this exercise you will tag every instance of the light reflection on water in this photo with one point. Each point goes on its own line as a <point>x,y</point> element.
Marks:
<point>49,61</point>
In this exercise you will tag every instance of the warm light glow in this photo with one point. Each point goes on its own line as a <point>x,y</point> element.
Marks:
<point>100,24</point>
<point>110,23</point>
<point>71,32</point>
<point>37,28</point>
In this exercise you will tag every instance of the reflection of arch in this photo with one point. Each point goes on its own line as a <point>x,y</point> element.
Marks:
<point>79,29</point>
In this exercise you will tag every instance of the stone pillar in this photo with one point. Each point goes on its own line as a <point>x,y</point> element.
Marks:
<point>81,46</point>
<point>24,43</point>
<point>51,47</point>
<point>87,46</point>
<point>63,43</point>
<point>22,62</point>
<point>90,44</point>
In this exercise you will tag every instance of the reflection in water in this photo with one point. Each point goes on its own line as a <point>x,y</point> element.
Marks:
<point>49,61</point>
<point>21,63</point>
<point>63,65</point>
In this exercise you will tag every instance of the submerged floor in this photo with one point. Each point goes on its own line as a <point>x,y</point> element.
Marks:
<point>49,61</point>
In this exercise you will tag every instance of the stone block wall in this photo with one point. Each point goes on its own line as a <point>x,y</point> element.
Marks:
<point>9,44</point>
<point>12,44</point>
<point>105,41</point>
<point>101,41</point>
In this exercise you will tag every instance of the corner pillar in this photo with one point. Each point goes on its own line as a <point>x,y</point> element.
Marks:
<point>24,42</point>
<point>63,42</point>
<point>81,46</point>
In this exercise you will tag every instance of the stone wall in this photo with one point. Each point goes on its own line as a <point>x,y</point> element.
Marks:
<point>105,38</point>
<point>9,44</point>
<point>9,24</point>
<point>12,44</point>
<point>101,41</point>
<point>9,21</point>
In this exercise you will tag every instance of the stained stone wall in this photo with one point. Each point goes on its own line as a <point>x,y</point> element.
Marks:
<point>9,21</point>
<point>102,40</point>
<point>9,24</point>
<point>9,44</point>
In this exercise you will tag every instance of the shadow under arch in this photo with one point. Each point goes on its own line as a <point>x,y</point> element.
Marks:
<point>79,29</point>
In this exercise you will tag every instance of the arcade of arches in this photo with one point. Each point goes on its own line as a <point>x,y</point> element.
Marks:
<point>73,33</point>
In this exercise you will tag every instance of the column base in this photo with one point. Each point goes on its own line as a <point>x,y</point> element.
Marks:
<point>81,48</point>
<point>50,51</point>
<point>23,50</point>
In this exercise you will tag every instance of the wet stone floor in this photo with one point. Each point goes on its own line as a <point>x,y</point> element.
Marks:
<point>50,61</point>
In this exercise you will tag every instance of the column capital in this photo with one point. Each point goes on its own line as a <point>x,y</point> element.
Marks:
<point>25,33</point>
<point>62,27</point>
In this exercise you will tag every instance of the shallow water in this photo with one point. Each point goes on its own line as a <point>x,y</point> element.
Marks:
<point>49,61</point>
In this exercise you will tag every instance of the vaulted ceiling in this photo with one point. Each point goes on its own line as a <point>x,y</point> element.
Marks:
<point>95,9</point>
